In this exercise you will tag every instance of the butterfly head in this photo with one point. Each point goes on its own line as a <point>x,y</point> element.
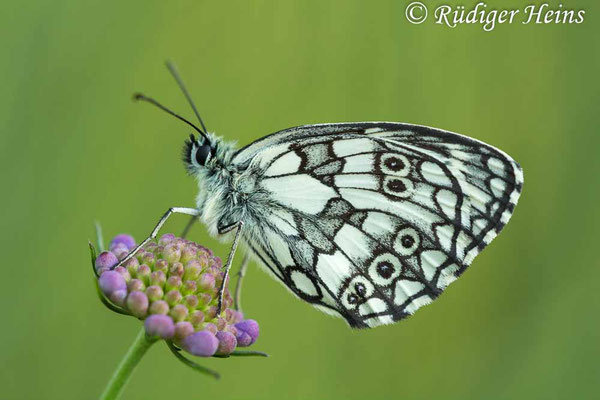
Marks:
<point>204,153</point>
<point>198,152</point>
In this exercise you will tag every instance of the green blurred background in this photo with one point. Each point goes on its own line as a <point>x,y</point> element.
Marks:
<point>523,322</point>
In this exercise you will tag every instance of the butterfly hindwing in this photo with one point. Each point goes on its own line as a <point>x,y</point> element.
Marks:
<point>372,221</point>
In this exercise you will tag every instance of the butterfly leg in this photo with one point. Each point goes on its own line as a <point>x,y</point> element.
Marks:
<point>237,297</point>
<point>177,210</point>
<point>189,225</point>
<point>236,240</point>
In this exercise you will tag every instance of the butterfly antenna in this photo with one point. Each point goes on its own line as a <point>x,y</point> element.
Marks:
<point>173,69</point>
<point>139,96</point>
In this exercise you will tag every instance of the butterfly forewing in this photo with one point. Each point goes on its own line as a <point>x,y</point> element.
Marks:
<point>373,220</point>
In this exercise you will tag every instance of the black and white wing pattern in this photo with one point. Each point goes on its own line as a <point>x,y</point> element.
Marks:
<point>371,221</point>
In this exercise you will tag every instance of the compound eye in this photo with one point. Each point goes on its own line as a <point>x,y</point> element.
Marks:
<point>203,154</point>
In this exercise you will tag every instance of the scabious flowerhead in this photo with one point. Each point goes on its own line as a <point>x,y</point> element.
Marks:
<point>172,285</point>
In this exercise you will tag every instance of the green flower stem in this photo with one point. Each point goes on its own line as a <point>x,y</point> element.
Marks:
<point>126,366</point>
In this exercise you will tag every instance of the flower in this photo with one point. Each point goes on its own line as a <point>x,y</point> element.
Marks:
<point>172,285</point>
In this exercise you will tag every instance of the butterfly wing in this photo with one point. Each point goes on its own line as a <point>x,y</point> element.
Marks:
<point>371,221</point>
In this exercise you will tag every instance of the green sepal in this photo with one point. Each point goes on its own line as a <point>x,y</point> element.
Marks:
<point>99,238</point>
<point>93,256</point>
<point>243,353</point>
<point>101,296</point>
<point>196,367</point>
<point>103,299</point>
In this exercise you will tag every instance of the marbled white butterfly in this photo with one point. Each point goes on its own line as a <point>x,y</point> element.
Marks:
<point>368,221</point>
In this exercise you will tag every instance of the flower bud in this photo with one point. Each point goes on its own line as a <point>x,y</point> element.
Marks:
<point>204,299</point>
<point>182,330</point>
<point>123,272</point>
<point>171,253</point>
<point>206,282</point>
<point>207,251</point>
<point>221,323</point>
<point>159,307</point>
<point>202,343</point>
<point>132,266</point>
<point>229,316</point>
<point>154,293</point>
<point>136,285</point>
<point>176,269</point>
<point>105,261</point>
<point>173,297</point>
<point>173,283</point>
<point>203,259</point>
<point>209,326</point>
<point>118,297</point>
<point>123,239</point>
<point>188,254</point>
<point>191,301</point>
<point>214,271</point>
<point>148,258</point>
<point>111,281</point>
<point>161,265</point>
<point>227,343</point>
<point>189,287</point>
<point>232,329</point>
<point>211,312</point>
<point>227,299</point>
<point>248,331</point>
<point>143,273</point>
<point>137,303</point>
<point>120,251</point>
<point>179,312</point>
<point>166,239</point>
<point>158,278</point>
<point>238,316</point>
<point>159,326</point>
<point>192,270</point>
<point>197,318</point>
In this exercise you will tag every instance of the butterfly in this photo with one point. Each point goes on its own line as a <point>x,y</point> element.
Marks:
<point>368,221</point>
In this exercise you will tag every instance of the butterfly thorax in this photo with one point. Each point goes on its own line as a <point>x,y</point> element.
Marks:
<point>224,188</point>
